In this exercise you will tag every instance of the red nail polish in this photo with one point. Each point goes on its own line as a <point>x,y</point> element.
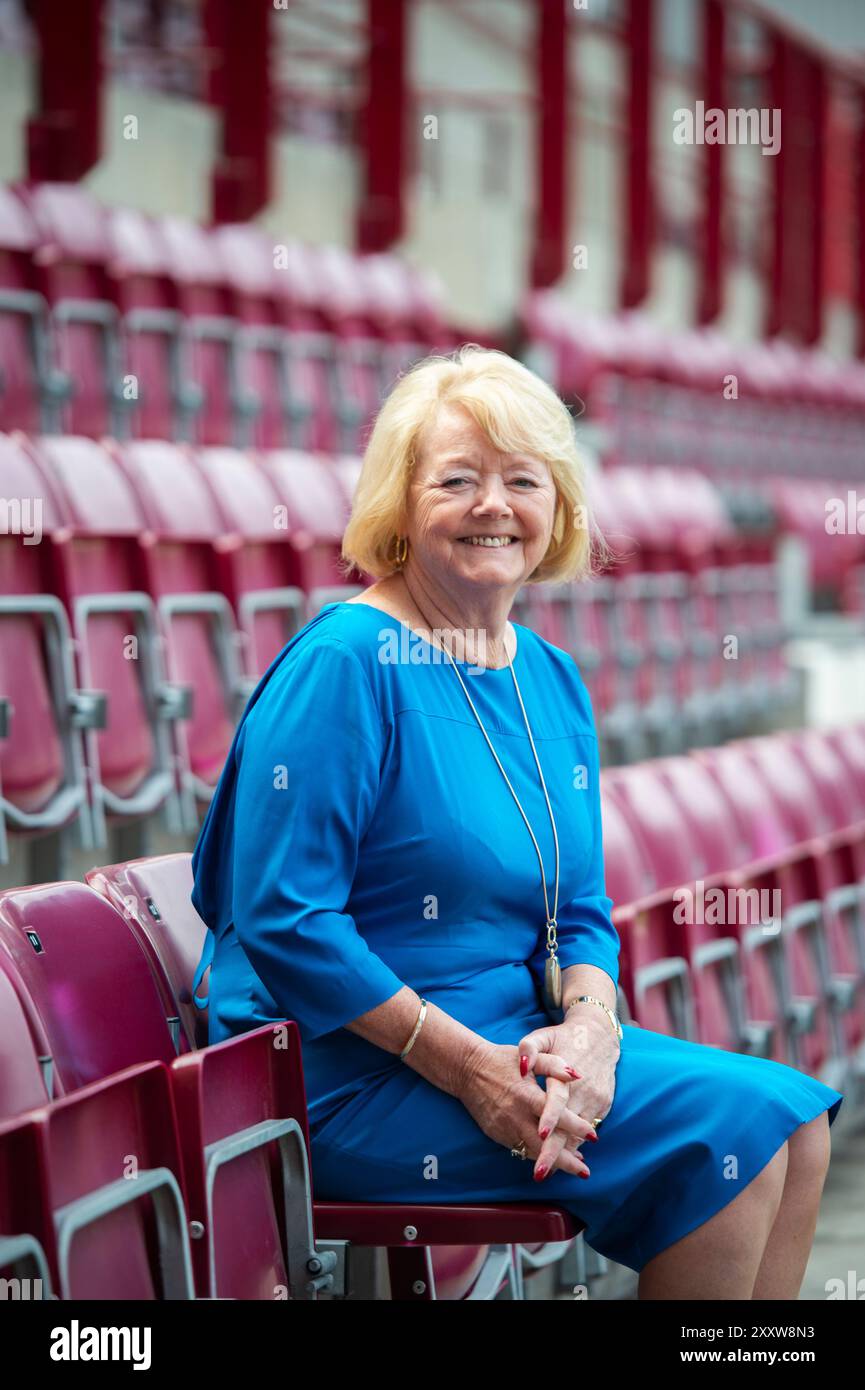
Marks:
<point>541,1173</point>
<point>593,1138</point>
<point>585,1175</point>
<point>574,1074</point>
<point>544,1133</point>
<point>524,1066</point>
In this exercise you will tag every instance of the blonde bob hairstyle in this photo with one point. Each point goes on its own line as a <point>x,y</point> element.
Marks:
<point>519,413</point>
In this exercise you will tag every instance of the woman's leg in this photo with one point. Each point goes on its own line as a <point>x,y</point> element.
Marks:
<point>789,1245</point>
<point>721,1258</point>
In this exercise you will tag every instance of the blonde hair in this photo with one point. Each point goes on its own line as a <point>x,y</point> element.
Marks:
<point>517,411</point>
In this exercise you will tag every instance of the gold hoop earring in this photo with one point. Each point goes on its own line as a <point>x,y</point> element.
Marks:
<point>401,549</point>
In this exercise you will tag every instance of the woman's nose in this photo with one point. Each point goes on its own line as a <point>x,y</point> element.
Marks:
<point>493,496</point>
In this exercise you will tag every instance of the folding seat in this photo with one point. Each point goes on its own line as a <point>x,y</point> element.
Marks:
<point>97,1180</point>
<point>216,403</point>
<point>26,1234</point>
<point>25,1062</point>
<point>181,573</point>
<point>312,390</point>
<point>71,260</point>
<point>42,780</point>
<point>241,1112</point>
<point>150,328</point>
<point>765,823</point>
<point>720,671</point>
<point>316,509</point>
<point>655,983</point>
<point>154,896</point>
<point>90,992</point>
<point>404,306</point>
<point>260,569</point>
<point>25,376</point>
<point>651,657</point>
<point>230,1097</point>
<point>675,854</point>
<point>359,364</point>
<point>97,555</point>
<point>260,342</point>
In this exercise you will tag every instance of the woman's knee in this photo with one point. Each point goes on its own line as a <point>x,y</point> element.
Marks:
<point>810,1148</point>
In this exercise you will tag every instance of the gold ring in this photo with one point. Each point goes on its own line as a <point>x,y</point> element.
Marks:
<point>520,1151</point>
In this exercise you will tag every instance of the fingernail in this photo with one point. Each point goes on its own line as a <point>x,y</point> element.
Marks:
<point>544,1133</point>
<point>574,1074</point>
<point>540,1173</point>
<point>593,1138</point>
<point>524,1066</point>
<point>585,1175</point>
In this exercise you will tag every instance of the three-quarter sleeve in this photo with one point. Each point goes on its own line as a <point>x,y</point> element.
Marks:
<point>585,932</point>
<point>309,767</point>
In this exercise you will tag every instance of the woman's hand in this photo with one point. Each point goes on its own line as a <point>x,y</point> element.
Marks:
<point>508,1106</point>
<point>590,1046</point>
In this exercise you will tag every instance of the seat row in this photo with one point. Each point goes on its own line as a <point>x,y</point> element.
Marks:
<point>126,1153</point>
<point>115,322</point>
<point>738,411</point>
<point>146,586</point>
<point>674,660</point>
<point>738,877</point>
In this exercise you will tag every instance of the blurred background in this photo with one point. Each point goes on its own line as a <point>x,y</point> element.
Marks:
<point>226,228</point>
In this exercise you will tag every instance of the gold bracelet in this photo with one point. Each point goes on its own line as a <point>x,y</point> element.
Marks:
<point>590,999</point>
<point>410,1044</point>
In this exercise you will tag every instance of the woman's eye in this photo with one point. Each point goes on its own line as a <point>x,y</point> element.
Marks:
<point>450,482</point>
<point>531,481</point>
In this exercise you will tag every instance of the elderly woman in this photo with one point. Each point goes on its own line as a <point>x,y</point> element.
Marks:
<point>404,855</point>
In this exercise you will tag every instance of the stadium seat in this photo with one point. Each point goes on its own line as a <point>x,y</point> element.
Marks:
<point>98,1183</point>
<point>153,894</point>
<point>85,982</point>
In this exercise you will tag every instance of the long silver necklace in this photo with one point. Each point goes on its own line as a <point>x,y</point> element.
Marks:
<point>552,971</point>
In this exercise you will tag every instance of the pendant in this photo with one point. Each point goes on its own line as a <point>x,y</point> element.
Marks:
<point>552,984</point>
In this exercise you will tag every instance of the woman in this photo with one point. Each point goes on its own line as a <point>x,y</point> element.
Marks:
<point>404,856</point>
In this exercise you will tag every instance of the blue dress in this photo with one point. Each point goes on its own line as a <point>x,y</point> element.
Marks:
<point>363,838</point>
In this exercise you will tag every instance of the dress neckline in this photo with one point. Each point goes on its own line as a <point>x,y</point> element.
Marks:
<point>467,665</point>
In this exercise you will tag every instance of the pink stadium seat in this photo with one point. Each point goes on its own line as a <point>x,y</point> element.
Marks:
<point>98,1176</point>
<point>247,255</point>
<point>71,259</point>
<point>241,1111</point>
<point>84,978</point>
<point>24,347</point>
<point>26,1227</point>
<point>312,371</point>
<point>209,384</point>
<point>42,785</point>
<point>25,1066</point>
<point>98,557</point>
<point>180,572</point>
<point>154,897</point>
<point>316,511</point>
<point>150,326</point>
<point>259,568</point>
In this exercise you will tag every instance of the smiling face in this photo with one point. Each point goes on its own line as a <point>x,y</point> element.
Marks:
<point>477,518</point>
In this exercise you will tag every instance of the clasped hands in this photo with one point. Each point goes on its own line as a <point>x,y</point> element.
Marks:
<point>500,1089</point>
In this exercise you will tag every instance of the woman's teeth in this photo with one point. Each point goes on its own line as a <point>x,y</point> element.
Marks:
<point>487,540</point>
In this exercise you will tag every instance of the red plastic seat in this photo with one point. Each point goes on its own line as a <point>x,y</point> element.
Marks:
<point>154,896</point>
<point>24,347</point>
<point>316,510</point>
<point>25,1080</point>
<point>84,979</point>
<point>259,567</point>
<point>72,258</point>
<point>42,785</point>
<point>98,560</point>
<point>209,384</point>
<point>98,1182</point>
<point>261,349</point>
<point>181,572</point>
<point>150,326</point>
